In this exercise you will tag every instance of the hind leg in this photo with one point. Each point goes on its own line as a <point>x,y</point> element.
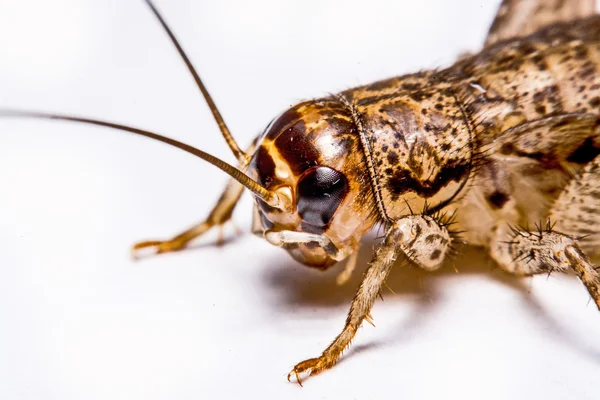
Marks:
<point>576,213</point>
<point>523,252</point>
<point>577,209</point>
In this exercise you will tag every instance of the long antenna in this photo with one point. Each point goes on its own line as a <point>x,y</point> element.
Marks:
<point>237,152</point>
<point>268,196</point>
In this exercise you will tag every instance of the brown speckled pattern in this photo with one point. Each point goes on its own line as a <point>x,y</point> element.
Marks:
<point>426,131</point>
<point>442,138</point>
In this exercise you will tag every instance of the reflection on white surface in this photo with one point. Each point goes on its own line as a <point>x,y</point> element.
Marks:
<point>80,320</point>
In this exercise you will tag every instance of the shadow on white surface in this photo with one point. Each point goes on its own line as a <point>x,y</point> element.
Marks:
<point>300,287</point>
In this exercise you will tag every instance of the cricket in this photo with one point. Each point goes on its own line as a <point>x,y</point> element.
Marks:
<point>500,150</point>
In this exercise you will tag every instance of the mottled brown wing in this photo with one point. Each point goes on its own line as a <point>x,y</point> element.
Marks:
<point>577,209</point>
<point>557,140</point>
<point>538,159</point>
<point>523,17</point>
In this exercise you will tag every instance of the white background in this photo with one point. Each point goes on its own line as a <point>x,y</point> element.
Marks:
<point>80,320</point>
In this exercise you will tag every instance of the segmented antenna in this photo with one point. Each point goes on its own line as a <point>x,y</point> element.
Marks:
<point>237,152</point>
<point>268,196</point>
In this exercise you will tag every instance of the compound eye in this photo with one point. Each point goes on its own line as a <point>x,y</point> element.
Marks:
<point>319,192</point>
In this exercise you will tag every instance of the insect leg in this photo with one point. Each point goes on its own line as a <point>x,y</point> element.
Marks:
<point>426,241</point>
<point>558,247</point>
<point>256,226</point>
<point>525,252</point>
<point>219,215</point>
<point>343,277</point>
<point>577,209</point>
<point>423,240</point>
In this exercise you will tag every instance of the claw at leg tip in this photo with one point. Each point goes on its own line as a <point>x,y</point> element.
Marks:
<point>297,377</point>
<point>143,249</point>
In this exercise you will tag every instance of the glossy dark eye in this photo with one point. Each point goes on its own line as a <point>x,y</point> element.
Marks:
<point>320,191</point>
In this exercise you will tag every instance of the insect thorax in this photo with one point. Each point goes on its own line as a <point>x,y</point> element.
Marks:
<point>418,140</point>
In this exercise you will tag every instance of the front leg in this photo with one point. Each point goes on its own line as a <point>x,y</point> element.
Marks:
<point>423,239</point>
<point>220,214</point>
